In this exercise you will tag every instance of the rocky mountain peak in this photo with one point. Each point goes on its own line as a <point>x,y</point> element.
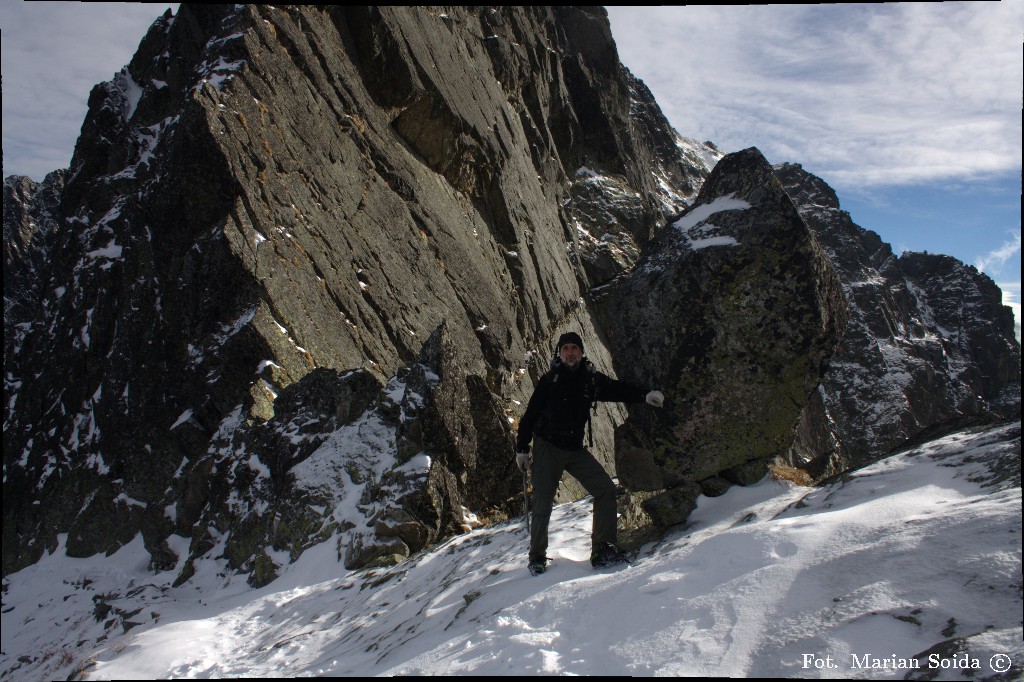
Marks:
<point>929,347</point>
<point>31,219</point>
<point>806,189</point>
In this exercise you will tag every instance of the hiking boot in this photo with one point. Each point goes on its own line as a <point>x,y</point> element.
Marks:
<point>537,566</point>
<point>607,554</point>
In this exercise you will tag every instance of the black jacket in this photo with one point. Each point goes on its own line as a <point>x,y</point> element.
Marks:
<point>560,406</point>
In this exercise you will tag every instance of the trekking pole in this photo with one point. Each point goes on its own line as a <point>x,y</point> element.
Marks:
<point>526,503</point>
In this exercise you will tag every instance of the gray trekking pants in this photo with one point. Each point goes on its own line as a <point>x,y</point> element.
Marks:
<point>549,461</point>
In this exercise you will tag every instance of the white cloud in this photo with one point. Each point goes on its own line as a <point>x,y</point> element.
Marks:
<point>863,94</point>
<point>1011,298</point>
<point>994,260</point>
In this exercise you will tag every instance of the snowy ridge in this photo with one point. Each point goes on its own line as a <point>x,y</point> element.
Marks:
<point>701,158</point>
<point>914,561</point>
<point>610,216</point>
<point>611,198</point>
<point>700,154</point>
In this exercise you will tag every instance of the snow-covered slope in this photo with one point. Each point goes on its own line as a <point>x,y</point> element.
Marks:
<point>912,561</point>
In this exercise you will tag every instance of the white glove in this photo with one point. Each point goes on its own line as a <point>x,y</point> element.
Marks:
<point>522,460</point>
<point>656,398</point>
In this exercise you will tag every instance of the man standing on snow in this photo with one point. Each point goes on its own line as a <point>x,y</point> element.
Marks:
<point>557,415</point>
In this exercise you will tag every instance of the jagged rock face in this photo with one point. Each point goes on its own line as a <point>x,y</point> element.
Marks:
<point>612,221</point>
<point>736,305</point>
<point>266,194</point>
<point>30,217</point>
<point>929,345</point>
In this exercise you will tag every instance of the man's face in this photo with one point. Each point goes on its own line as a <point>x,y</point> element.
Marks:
<point>570,355</point>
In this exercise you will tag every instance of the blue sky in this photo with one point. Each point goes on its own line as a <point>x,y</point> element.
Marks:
<point>911,111</point>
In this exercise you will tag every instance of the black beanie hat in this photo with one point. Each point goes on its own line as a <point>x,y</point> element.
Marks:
<point>569,337</point>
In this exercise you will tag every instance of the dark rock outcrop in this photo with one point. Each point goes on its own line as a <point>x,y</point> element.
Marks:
<point>734,311</point>
<point>930,346</point>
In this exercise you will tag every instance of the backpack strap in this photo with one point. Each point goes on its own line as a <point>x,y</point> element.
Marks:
<point>591,393</point>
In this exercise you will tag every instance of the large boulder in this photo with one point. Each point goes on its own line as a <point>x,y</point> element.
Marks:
<point>733,312</point>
